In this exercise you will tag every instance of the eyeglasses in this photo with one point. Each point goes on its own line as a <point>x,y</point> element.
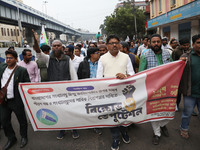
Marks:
<point>96,53</point>
<point>114,43</point>
<point>9,57</point>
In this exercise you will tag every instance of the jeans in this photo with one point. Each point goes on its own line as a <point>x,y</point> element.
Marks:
<point>189,104</point>
<point>116,131</point>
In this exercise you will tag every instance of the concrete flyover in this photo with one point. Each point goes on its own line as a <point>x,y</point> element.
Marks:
<point>12,12</point>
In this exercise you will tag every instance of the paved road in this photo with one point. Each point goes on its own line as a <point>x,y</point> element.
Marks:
<point>141,135</point>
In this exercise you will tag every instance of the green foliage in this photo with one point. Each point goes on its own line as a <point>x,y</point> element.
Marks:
<point>121,21</point>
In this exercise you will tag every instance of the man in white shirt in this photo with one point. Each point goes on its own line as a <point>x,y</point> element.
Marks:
<point>115,64</point>
<point>14,102</point>
<point>165,45</point>
<point>143,46</point>
<point>69,50</point>
<point>77,52</point>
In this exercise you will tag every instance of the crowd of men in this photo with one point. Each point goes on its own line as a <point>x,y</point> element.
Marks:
<point>114,58</point>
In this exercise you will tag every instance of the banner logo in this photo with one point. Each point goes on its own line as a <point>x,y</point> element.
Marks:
<point>47,117</point>
<point>129,103</point>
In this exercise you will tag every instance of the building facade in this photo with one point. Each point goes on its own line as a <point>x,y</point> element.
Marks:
<point>9,35</point>
<point>140,4</point>
<point>174,18</point>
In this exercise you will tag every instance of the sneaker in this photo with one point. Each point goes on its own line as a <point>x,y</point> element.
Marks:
<point>165,131</point>
<point>61,135</point>
<point>115,145</point>
<point>125,138</point>
<point>75,134</point>
<point>156,140</point>
<point>98,131</point>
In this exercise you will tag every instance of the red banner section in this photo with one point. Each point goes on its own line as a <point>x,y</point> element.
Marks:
<point>162,87</point>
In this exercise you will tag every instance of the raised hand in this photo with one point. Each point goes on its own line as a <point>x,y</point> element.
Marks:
<point>36,45</point>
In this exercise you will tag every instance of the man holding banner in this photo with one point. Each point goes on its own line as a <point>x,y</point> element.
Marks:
<point>115,64</point>
<point>59,67</point>
<point>152,58</point>
<point>88,69</point>
<point>190,85</point>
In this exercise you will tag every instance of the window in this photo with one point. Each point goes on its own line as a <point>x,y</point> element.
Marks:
<point>2,32</point>
<point>160,5</point>
<point>17,32</point>
<point>152,8</point>
<point>8,33</point>
<point>5,31</point>
<point>184,30</point>
<point>14,32</point>
<point>11,32</point>
<point>173,2</point>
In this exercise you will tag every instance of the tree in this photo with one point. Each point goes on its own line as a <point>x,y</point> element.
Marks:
<point>121,22</point>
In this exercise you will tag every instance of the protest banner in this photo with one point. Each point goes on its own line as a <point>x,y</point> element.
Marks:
<point>147,96</point>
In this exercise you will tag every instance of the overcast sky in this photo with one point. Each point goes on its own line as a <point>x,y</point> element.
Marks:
<point>84,14</point>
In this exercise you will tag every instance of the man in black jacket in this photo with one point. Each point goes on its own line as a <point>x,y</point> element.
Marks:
<point>190,85</point>
<point>88,67</point>
<point>14,101</point>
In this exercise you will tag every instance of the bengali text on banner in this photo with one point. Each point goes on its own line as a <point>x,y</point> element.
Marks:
<point>147,96</point>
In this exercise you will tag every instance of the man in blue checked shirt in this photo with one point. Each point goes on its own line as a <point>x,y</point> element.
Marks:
<point>88,69</point>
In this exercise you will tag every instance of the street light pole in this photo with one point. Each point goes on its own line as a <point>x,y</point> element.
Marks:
<point>19,25</point>
<point>45,5</point>
<point>134,11</point>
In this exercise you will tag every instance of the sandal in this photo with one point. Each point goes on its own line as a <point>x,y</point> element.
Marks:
<point>184,134</point>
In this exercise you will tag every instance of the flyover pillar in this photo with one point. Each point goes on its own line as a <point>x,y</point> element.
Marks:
<point>57,35</point>
<point>29,36</point>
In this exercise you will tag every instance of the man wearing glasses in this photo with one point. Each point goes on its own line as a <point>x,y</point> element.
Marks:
<point>115,64</point>
<point>88,67</point>
<point>14,102</point>
<point>173,44</point>
<point>102,49</point>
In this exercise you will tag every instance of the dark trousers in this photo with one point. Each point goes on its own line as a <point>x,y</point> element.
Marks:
<point>178,99</point>
<point>116,131</point>
<point>18,109</point>
<point>0,118</point>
